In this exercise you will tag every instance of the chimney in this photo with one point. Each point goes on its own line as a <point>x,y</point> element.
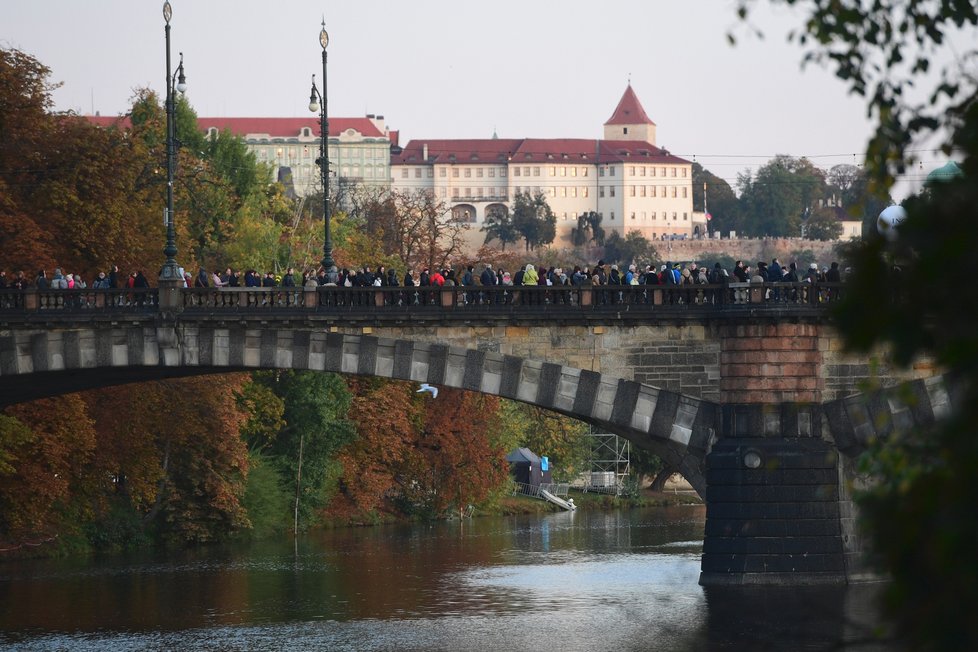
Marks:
<point>424,150</point>
<point>378,121</point>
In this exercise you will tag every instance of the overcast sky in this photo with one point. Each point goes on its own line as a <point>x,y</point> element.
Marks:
<point>458,69</point>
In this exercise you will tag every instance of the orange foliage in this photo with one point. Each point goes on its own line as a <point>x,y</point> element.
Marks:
<point>52,468</point>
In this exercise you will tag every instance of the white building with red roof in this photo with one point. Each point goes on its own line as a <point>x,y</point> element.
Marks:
<point>626,177</point>
<point>359,148</point>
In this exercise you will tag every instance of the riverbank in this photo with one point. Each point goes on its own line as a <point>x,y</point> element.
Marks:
<point>592,501</point>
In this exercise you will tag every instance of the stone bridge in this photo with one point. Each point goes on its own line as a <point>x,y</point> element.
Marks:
<point>752,398</point>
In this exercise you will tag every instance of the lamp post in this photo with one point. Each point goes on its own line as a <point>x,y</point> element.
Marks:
<point>317,102</point>
<point>170,273</point>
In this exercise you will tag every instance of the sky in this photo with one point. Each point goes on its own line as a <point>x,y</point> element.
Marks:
<point>461,69</point>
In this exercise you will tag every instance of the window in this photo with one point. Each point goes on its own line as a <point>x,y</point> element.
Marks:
<point>654,218</point>
<point>624,131</point>
<point>573,172</point>
<point>565,217</point>
<point>684,192</point>
<point>643,191</point>
<point>536,171</point>
<point>468,192</point>
<point>611,171</point>
<point>633,215</point>
<point>492,172</point>
<point>612,189</point>
<point>631,171</point>
<point>468,173</point>
<point>573,191</point>
<point>674,191</point>
<point>612,216</point>
<point>454,192</point>
<point>417,173</point>
<point>553,170</point>
<point>651,172</point>
<point>526,171</point>
<point>443,192</point>
<point>551,191</point>
<point>642,170</point>
<point>502,172</point>
<point>653,191</point>
<point>404,173</point>
<point>516,172</point>
<point>631,191</point>
<point>583,172</point>
<point>601,191</point>
<point>600,172</point>
<point>584,191</point>
<point>563,171</point>
<point>478,172</point>
<point>684,172</point>
<point>574,216</point>
<point>685,216</point>
<point>674,215</point>
<point>663,172</point>
<point>431,173</point>
<point>645,216</point>
<point>455,173</point>
<point>674,172</point>
<point>563,192</point>
<point>442,172</point>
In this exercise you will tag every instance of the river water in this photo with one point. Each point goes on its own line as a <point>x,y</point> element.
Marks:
<point>619,580</point>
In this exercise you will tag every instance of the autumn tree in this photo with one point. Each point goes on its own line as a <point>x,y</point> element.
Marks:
<point>823,224</point>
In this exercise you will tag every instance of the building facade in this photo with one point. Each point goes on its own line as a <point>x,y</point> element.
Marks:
<point>625,177</point>
<point>359,148</point>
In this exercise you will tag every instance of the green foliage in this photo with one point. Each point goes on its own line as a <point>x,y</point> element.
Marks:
<point>588,229</point>
<point>534,219</point>
<point>775,199</point>
<point>823,224</point>
<point>316,427</point>
<point>633,248</point>
<point>13,435</point>
<point>499,226</point>
<point>721,201</point>
<point>268,497</point>
<point>918,513</point>
<point>562,439</point>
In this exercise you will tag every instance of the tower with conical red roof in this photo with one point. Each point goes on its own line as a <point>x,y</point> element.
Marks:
<point>629,121</point>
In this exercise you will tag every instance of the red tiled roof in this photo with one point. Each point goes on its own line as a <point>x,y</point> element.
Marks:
<point>274,127</point>
<point>533,150</point>
<point>629,111</point>
<point>289,127</point>
<point>476,150</point>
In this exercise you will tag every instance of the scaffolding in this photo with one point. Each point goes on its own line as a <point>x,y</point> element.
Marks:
<point>609,463</point>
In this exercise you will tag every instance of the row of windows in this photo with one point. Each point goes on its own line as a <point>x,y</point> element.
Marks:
<point>536,170</point>
<point>655,216</point>
<point>658,191</point>
<point>293,152</point>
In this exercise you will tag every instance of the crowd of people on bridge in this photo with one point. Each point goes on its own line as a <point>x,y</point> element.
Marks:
<point>601,274</point>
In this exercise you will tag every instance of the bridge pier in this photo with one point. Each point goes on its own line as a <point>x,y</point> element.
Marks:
<point>773,513</point>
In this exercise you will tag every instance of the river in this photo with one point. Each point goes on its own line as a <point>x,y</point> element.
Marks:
<point>616,580</point>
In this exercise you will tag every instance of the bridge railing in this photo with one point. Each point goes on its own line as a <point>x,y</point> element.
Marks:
<point>88,300</point>
<point>501,300</point>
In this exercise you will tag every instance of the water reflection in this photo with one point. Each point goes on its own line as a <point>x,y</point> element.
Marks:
<point>569,581</point>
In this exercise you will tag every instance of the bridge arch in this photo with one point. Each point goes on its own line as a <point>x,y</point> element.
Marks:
<point>679,428</point>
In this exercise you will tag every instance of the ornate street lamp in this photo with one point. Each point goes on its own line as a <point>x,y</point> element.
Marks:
<point>317,102</point>
<point>177,82</point>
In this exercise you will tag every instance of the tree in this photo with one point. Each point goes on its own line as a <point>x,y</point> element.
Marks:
<point>782,192</point>
<point>919,514</point>
<point>499,225</point>
<point>633,248</point>
<point>720,202</point>
<point>588,229</point>
<point>562,439</point>
<point>533,219</point>
<point>823,224</point>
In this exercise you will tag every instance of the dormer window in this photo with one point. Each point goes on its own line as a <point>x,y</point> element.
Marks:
<point>306,132</point>
<point>624,130</point>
